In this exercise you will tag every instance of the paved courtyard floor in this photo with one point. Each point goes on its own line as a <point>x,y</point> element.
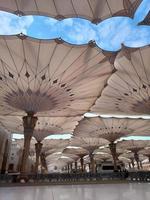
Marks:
<point>133,191</point>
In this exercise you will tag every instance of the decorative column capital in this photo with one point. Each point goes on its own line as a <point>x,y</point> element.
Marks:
<point>29,123</point>
<point>38,147</point>
<point>136,156</point>
<point>112,146</point>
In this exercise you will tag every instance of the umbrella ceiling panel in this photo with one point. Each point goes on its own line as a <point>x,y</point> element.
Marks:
<point>57,163</point>
<point>62,155</point>
<point>130,156</point>
<point>124,159</point>
<point>49,77</point>
<point>13,124</point>
<point>133,145</point>
<point>3,130</point>
<point>88,143</point>
<point>111,129</point>
<point>49,144</point>
<point>45,125</point>
<point>77,151</point>
<point>128,89</point>
<point>57,125</point>
<point>107,150</point>
<point>48,151</point>
<point>102,156</point>
<point>61,158</point>
<point>93,10</point>
<point>145,152</point>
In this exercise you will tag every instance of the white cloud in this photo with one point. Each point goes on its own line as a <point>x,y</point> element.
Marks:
<point>68,22</point>
<point>79,33</point>
<point>139,36</point>
<point>11,24</point>
<point>50,21</point>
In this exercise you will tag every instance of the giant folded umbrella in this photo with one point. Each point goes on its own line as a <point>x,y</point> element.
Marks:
<point>90,144</point>
<point>128,89</point>
<point>111,129</point>
<point>45,126</point>
<point>48,78</point>
<point>135,146</point>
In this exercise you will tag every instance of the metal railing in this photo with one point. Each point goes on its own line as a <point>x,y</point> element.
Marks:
<point>140,176</point>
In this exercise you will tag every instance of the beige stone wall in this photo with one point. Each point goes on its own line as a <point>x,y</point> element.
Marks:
<point>15,157</point>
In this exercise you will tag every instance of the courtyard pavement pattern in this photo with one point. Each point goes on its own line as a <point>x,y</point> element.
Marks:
<point>78,192</point>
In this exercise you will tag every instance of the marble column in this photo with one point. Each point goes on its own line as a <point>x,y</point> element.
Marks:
<point>82,163</point>
<point>76,166</point>
<point>68,169</point>
<point>92,163</point>
<point>43,163</point>
<point>141,165</point>
<point>29,123</point>
<point>132,162</point>
<point>112,147</point>
<point>136,157</point>
<point>38,148</point>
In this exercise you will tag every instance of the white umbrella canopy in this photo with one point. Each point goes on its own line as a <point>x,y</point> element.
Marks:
<point>90,144</point>
<point>111,129</point>
<point>3,130</point>
<point>45,126</point>
<point>49,77</point>
<point>51,144</point>
<point>130,156</point>
<point>79,151</point>
<point>125,160</point>
<point>145,152</point>
<point>54,146</point>
<point>56,165</point>
<point>107,150</point>
<point>133,145</point>
<point>48,151</point>
<point>58,155</point>
<point>128,90</point>
<point>92,10</point>
<point>12,123</point>
<point>102,156</point>
<point>53,159</point>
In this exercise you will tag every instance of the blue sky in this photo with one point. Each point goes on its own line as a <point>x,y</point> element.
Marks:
<point>68,136</point>
<point>109,34</point>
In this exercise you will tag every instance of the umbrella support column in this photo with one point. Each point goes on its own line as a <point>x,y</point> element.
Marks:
<point>92,163</point>
<point>112,147</point>
<point>43,163</point>
<point>38,149</point>
<point>136,157</point>
<point>82,163</point>
<point>29,123</point>
<point>76,166</point>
